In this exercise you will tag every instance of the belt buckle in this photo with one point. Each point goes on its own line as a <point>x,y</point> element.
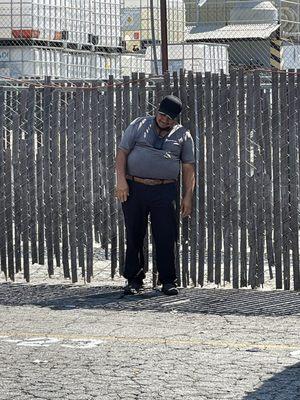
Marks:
<point>152,182</point>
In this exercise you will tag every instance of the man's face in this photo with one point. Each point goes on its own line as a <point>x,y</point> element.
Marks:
<point>164,122</point>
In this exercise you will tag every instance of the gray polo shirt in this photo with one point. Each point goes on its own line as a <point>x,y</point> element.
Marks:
<point>152,157</point>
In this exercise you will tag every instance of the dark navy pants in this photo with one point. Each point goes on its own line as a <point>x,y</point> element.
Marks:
<point>158,201</point>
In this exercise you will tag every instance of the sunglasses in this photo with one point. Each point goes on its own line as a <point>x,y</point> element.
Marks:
<point>165,115</point>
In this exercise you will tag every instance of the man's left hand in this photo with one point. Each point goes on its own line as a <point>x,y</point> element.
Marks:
<point>186,207</point>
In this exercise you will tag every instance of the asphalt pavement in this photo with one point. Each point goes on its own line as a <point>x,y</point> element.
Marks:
<point>84,342</point>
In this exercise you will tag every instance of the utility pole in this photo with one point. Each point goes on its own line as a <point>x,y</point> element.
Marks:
<point>153,37</point>
<point>164,35</point>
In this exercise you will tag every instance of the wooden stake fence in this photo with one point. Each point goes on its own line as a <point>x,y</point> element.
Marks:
<point>57,179</point>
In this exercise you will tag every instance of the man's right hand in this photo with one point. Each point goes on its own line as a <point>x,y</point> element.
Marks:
<point>122,191</point>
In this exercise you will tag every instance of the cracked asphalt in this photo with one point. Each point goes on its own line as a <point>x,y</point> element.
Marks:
<point>80,342</point>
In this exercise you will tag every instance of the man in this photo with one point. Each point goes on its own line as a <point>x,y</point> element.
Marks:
<point>147,166</point>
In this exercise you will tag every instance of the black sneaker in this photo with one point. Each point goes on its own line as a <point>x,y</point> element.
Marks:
<point>170,289</point>
<point>133,287</point>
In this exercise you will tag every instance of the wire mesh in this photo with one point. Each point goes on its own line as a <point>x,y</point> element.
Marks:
<point>58,183</point>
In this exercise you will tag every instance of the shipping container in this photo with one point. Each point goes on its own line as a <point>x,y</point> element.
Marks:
<point>198,57</point>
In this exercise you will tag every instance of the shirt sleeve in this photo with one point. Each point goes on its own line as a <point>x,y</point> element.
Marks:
<point>188,149</point>
<point>129,137</point>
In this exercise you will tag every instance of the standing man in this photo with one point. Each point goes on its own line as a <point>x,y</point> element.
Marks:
<point>147,165</point>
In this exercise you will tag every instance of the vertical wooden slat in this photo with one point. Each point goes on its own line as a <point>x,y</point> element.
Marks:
<point>95,161</point>
<point>47,178</point>
<point>135,95</point>
<point>40,205</point>
<point>201,178</point>
<point>17,190</point>
<point>297,283</point>
<point>251,205</point>
<point>294,180</point>
<point>71,188</point>
<point>234,194</point>
<point>267,192</point>
<point>259,178</point>
<point>243,178</point>
<point>2,192</point>
<point>194,216</point>
<point>276,181</point>
<point>111,176</point>
<point>284,165</point>
<point>175,91</point>
<point>142,94</point>
<point>104,213</point>
<point>225,149</point>
<point>30,144</point>
<point>55,175</point>
<point>209,179</point>
<point>217,177</point>
<point>167,83</point>
<point>25,209</point>
<point>79,183</point>
<point>63,184</point>
<point>88,206</point>
<point>9,214</point>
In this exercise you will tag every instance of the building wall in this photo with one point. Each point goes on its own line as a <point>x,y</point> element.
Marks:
<point>136,23</point>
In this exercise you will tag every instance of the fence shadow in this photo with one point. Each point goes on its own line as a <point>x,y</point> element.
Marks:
<point>194,300</point>
<point>284,385</point>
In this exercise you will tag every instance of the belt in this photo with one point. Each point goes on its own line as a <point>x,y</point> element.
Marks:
<point>151,182</point>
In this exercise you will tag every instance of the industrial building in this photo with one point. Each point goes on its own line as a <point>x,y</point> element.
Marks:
<point>65,39</point>
<point>136,23</point>
<point>259,33</point>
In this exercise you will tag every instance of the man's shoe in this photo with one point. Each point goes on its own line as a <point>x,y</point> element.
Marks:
<point>133,287</point>
<point>170,289</point>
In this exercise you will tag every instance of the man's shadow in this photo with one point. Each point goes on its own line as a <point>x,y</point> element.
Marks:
<point>193,300</point>
<point>282,386</point>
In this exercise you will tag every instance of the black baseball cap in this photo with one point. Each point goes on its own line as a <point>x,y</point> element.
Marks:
<point>171,106</point>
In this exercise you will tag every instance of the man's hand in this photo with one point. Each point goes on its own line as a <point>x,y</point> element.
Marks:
<point>122,191</point>
<point>188,174</point>
<point>186,206</point>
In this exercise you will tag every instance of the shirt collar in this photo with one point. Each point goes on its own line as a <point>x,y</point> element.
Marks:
<point>161,133</point>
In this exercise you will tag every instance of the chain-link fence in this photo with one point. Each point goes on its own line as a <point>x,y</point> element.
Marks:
<point>93,39</point>
<point>58,183</point>
<point>62,115</point>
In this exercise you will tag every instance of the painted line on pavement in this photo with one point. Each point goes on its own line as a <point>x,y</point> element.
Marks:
<point>251,346</point>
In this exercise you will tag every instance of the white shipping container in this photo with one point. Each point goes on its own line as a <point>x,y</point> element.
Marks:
<point>18,62</point>
<point>50,18</point>
<point>132,63</point>
<point>198,57</point>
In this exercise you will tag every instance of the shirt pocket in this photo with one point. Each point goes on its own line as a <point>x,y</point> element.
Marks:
<point>173,146</point>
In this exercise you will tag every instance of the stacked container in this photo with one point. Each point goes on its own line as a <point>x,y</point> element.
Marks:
<point>77,21</point>
<point>73,23</point>
<point>37,62</point>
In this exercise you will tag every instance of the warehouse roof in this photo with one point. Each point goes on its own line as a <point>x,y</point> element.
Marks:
<point>233,31</point>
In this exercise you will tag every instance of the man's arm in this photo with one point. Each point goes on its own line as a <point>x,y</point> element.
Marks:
<point>122,189</point>
<point>188,177</point>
